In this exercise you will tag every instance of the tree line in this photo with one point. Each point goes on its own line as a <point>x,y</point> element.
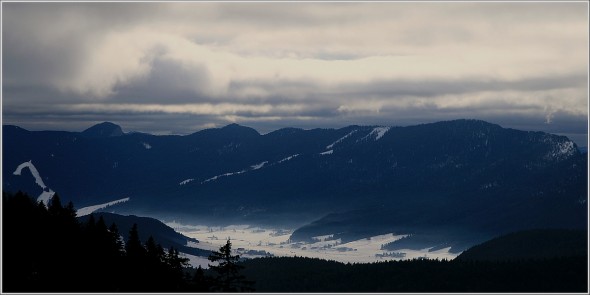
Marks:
<point>46,249</point>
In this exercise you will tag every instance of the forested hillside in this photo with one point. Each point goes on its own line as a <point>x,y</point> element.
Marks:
<point>531,244</point>
<point>165,235</point>
<point>298,274</point>
<point>46,249</point>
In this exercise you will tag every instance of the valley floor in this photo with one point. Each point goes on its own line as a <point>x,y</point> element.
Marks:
<point>253,242</point>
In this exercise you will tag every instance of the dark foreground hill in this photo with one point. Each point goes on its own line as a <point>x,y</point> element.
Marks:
<point>529,261</point>
<point>298,274</point>
<point>531,244</point>
<point>162,233</point>
<point>47,249</point>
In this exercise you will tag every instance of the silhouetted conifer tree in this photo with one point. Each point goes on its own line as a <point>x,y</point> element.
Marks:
<point>174,260</point>
<point>228,271</point>
<point>54,206</point>
<point>101,226</point>
<point>175,267</point>
<point>152,250</point>
<point>116,240</point>
<point>133,247</point>
<point>137,266</point>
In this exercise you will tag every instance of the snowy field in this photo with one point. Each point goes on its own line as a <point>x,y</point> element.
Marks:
<point>251,242</point>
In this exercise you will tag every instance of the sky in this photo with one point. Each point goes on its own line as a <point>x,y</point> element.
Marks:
<point>177,68</point>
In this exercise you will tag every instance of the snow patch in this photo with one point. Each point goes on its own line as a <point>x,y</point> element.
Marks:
<point>186,181</point>
<point>566,148</point>
<point>258,166</point>
<point>377,132</point>
<point>45,196</point>
<point>380,131</point>
<point>288,158</point>
<point>146,145</point>
<point>253,167</point>
<point>33,170</point>
<point>223,175</point>
<point>327,152</point>
<point>87,210</point>
<point>562,150</point>
<point>47,193</point>
<point>340,140</point>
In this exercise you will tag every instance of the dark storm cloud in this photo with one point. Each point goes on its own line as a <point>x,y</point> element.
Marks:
<point>168,83</point>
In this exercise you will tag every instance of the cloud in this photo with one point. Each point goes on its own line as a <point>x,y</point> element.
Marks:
<point>272,64</point>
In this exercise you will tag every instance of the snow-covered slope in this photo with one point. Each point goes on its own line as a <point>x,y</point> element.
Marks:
<point>33,170</point>
<point>90,209</point>
<point>377,133</point>
<point>340,139</point>
<point>47,193</point>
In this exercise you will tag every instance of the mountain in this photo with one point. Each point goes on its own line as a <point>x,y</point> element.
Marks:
<point>105,129</point>
<point>445,184</point>
<point>531,244</point>
<point>163,234</point>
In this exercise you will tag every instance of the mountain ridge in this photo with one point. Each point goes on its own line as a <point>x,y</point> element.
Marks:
<point>236,126</point>
<point>455,173</point>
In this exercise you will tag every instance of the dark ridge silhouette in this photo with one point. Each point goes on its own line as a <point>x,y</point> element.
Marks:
<point>531,244</point>
<point>105,129</point>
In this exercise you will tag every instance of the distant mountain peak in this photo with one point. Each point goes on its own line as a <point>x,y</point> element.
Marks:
<point>232,125</point>
<point>236,128</point>
<point>104,129</point>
